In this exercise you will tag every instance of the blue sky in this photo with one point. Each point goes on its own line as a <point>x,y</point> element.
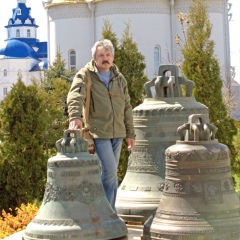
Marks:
<point>39,13</point>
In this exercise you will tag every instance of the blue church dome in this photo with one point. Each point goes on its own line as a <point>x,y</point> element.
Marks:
<point>16,49</point>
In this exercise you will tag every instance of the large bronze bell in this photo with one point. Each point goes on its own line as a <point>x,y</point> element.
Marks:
<point>74,204</point>
<point>199,201</point>
<point>155,121</point>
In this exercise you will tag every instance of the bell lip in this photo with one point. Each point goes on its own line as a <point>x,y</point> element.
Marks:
<point>167,99</point>
<point>215,141</point>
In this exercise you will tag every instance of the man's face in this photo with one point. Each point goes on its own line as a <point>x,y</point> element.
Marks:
<point>103,59</point>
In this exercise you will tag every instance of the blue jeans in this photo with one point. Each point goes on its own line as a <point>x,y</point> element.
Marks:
<point>108,151</point>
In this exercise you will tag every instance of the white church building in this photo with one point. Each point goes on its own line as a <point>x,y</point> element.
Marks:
<point>21,52</point>
<point>74,26</point>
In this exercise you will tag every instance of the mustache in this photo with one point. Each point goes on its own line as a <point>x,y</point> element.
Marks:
<point>105,62</point>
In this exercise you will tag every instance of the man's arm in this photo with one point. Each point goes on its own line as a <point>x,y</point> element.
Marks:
<point>75,101</point>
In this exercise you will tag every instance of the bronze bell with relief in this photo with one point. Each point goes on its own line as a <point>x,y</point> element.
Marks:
<point>155,122</point>
<point>74,205</point>
<point>199,201</point>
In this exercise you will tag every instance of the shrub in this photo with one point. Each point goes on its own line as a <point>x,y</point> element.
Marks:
<point>10,224</point>
<point>22,156</point>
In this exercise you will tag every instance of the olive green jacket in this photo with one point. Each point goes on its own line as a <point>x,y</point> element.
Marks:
<point>110,113</point>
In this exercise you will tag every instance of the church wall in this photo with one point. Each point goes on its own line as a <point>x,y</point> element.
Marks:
<point>70,29</point>
<point>52,45</point>
<point>76,36</point>
<point>151,24</point>
<point>13,67</point>
<point>219,38</point>
<point>150,27</point>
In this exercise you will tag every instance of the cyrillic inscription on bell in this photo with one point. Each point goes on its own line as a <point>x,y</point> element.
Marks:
<point>74,205</point>
<point>155,122</point>
<point>199,201</point>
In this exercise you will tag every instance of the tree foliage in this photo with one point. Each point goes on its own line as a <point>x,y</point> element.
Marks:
<point>236,143</point>
<point>22,159</point>
<point>55,89</point>
<point>57,70</point>
<point>55,105</point>
<point>201,66</point>
<point>57,117</point>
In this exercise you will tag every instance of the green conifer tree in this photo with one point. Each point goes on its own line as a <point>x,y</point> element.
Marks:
<point>57,121</point>
<point>55,89</point>
<point>22,158</point>
<point>201,66</point>
<point>57,70</point>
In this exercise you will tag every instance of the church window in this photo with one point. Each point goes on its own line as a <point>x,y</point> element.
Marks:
<point>156,59</point>
<point>72,60</point>
<point>5,91</point>
<point>8,32</point>
<point>28,33</point>
<point>17,33</point>
<point>19,12</point>
<point>5,73</point>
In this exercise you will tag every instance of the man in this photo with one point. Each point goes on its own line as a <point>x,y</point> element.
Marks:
<point>110,114</point>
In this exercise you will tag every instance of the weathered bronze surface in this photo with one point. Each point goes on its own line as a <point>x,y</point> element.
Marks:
<point>74,204</point>
<point>155,121</point>
<point>198,201</point>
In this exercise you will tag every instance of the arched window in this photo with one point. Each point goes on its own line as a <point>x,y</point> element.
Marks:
<point>72,60</point>
<point>28,33</point>
<point>5,91</point>
<point>156,59</point>
<point>19,11</point>
<point>17,33</point>
<point>5,73</point>
<point>8,32</point>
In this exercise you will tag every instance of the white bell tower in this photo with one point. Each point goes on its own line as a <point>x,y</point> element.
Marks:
<point>21,25</point>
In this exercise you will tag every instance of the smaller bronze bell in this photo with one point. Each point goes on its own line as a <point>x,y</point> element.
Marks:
<point>74,204</point>
<point>199,201</point>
